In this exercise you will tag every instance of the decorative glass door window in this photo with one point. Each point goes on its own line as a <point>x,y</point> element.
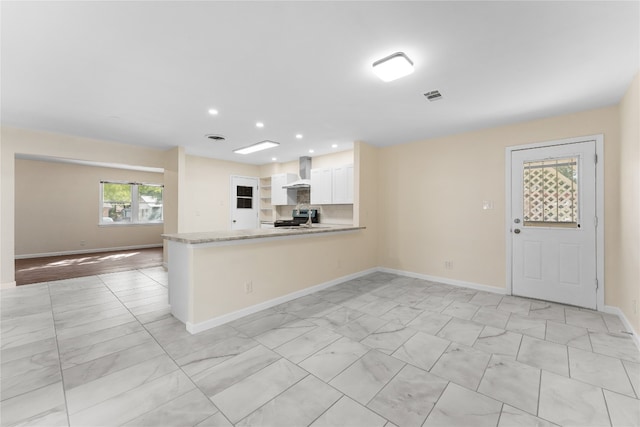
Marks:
<point>244,197</point>
<point>551,193</point>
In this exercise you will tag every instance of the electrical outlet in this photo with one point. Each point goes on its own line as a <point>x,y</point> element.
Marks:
<point>448,265</point>
<point>83,243</point>
<point>248,287</point>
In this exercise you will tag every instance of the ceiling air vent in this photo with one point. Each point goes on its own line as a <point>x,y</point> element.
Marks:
<point>215,137</point>
<point>433,95</point>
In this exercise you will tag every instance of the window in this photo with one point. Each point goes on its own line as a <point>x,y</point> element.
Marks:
<point>130,203</point>
<point>551,193</point>
<point>244,197</point>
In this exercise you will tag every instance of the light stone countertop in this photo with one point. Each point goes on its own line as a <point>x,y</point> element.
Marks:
<point>258,233</point>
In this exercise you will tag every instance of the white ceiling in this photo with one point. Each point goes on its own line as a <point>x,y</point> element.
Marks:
<point>146,72</point>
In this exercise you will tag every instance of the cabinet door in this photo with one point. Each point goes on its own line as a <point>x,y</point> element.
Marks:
<point>349,198</point>
<point>321,186</point>
<point>339,185</point>
<point>277,181</point>
<point>281,196</point>
<point>343,185</point>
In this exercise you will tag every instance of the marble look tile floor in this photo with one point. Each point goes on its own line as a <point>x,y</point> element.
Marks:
<point>381,350</point>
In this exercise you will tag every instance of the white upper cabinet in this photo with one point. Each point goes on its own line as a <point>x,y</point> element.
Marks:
<point>282,196</point>
<point>332,185</point>
<point>343,185</point>
<point>321,186</point>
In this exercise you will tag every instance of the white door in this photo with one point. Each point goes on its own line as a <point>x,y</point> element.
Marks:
<point>244,203</point>
<point>553,223</point>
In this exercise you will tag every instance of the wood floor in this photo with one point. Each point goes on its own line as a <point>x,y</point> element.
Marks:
<point>36,270</point>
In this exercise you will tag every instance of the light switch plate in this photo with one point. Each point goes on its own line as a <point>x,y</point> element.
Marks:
<point>487,204</point>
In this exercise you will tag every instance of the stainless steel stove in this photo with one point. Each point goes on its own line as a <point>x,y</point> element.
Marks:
<point>299,217</point>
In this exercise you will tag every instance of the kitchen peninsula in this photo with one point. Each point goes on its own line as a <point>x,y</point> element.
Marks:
<point>216,277</point>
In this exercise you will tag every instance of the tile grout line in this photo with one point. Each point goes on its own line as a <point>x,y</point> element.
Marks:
<point>606,405</point>
<point>500,414</point>
<point>144,327</point>
<point>636,392</point>
<point>55,331</point>
<point>164,351</point>
<point>438,399</point>
<point>484,371</point>
<point>539,393</point>
<point>277,395</point>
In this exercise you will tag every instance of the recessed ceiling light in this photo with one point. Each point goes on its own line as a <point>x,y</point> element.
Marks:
<point>334,145</point>
<point>311,151</point>
<point>213,111</point>
<point>273,159</point>
<point>299,136</point>
<point>393,67</point>
<point>263,145</point>
<point>260,124</point>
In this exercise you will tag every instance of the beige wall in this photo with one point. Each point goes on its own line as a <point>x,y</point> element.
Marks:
<point>281,267</point>
<point>48,144</point>
<point>207,186</point>
<point>57,209</point>
<point>333,160</point>
<point>625,291</point>
<point>421,202</point>
<point>341,158</point>
<point>431,195</point>
<point>275,268</point>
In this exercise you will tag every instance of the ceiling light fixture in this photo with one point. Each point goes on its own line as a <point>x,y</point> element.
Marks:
<point>262,145</point>
<point>273,159</point>
<point>334,145</point>
<point>299,136</point>
<point>311,151</point>
<point>213,111</point>
<point>393,67</point>
<point>260,124</point>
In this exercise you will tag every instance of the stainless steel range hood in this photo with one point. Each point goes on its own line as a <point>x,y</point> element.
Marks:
<point>305,174</point>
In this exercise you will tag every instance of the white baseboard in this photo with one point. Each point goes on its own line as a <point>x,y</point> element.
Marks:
<point>226,318</point>
<point>8,285</point>
<point>616,311</point>
<point>87,251</point>
<point>446,281</point>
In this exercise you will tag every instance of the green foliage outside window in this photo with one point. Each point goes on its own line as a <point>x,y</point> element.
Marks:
<point>126,203</point>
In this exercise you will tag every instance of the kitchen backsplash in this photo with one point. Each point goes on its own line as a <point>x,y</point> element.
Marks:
<point>304,195</point>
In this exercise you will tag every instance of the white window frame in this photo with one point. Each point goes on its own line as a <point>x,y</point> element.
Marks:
<point>134,204</point>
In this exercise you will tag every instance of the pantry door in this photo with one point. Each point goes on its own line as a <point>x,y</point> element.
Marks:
<point>245,205</point>
<point>553,223</point>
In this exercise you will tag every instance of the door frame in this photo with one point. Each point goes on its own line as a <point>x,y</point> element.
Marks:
<point>599,140</point>
<point>232,197</point>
